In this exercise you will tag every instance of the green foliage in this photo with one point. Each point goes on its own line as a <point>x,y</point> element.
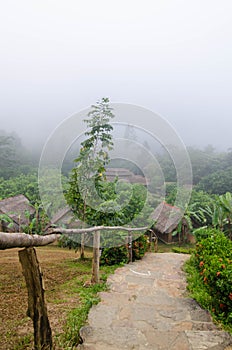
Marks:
<point>120,255</point>
<point>14,158</point>
<point>88,296</point>
<point>87,177</point>
<point>22,184</point>
<point>50,192</point>
<point>219,214</point>
<point>204,162</point>
<point>7,220</point>
<point>182,250</point>
<point>212,264</point>
<point>139,247</point>
<point>77,317</point>
<point>218,182</point>
<point>168,168</point>
<point>36,223</point>
<point>96,201</point>
<point>114,255</point>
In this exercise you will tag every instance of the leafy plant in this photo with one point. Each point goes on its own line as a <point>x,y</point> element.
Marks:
<point>87,177</point>
<point>120,254</point>
<point>211,265</point>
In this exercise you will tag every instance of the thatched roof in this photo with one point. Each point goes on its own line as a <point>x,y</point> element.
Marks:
<point>15,208</point>
<point>166,217</point>
<point>124,174</point>
<point>63,215</point>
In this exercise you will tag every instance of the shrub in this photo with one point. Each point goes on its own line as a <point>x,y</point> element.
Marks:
<point>114,255</point>
<point>117,255</point>
<point>212,259</point>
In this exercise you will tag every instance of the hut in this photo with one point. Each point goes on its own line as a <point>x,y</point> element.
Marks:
<point>167,218</point>
<point>65,217</point>
<point>16,209</point>
<point>125,175</point>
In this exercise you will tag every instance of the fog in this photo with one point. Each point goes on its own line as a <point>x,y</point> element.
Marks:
<point>173,57</point>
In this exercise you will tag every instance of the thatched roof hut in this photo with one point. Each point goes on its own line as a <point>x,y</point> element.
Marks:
<point>167,218</point>
<point>65,217</point>
<point>15,208</point>
<point>126,175</point>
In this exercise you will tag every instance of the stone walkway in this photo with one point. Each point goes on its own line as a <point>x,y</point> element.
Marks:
<point>146,309</point>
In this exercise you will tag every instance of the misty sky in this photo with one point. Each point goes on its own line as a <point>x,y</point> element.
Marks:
<point>171,56</point>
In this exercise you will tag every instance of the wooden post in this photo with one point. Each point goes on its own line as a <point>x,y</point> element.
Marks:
<point>96,257</point>
<point>37,309</point>
<point>150,241</point>
<point>82,247</point>
<point>130,243</point>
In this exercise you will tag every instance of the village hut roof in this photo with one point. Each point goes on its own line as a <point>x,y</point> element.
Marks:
<point>166,217</point>
<point>124,174</point>
<point>15,207</point>
<point>65,217</point>
<point>64,214</point>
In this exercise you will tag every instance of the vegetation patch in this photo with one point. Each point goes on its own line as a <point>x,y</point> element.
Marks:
<point>69,296</point>
<point>210,276</point>
<point>182,250</point>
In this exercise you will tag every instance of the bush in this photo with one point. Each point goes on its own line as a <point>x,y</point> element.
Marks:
<point>212,259</point>
<point>139,247</point>
<point>114,255</point>
<point>117,255</point>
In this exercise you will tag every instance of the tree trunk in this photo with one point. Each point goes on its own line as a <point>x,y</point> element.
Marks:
<point>37,309</point>
<point>96,258</point>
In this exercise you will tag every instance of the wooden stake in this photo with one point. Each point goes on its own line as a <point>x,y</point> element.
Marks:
<point>96,258</point>
<point>37,309</point>
<point>130,244</point>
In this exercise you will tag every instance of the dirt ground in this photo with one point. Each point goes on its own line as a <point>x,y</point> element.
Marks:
<point>15,326</point>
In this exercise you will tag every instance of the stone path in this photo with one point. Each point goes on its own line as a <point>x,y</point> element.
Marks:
<point>146,309</point>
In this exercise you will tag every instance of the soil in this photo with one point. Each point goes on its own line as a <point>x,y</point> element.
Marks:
<point>15,327</point>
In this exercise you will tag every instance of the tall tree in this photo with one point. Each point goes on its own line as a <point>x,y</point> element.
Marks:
<point>87,177</point>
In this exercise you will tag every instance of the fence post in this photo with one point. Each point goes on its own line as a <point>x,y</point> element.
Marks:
<point>37,309</point>
<point>130,242</point>
<point>96,257</point>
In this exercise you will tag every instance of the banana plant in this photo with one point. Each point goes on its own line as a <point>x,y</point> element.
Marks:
<point>220,213</point>
<point>190,213</point>
<point>225,202</point>
<point>6,219</point>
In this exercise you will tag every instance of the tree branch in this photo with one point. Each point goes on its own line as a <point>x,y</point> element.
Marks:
<point>95,228</point>
<point>20,240</point>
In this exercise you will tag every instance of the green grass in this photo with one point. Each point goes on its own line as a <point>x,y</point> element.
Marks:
<point>87,297</point>
<point>185,248</point>
<point>24,342</point>
<point>182,250</point>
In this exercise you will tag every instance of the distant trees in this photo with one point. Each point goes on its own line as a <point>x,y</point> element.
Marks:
<point>204,162</point>
<point>22,184</point>
<point>7,155</point>
<point>14,158</point>
<point>218,182</point>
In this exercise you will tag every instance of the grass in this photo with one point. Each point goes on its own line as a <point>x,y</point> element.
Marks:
<point>88,296</point>
<point>184,248</point>
<point>67,299</point>
<point>24,342</point>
